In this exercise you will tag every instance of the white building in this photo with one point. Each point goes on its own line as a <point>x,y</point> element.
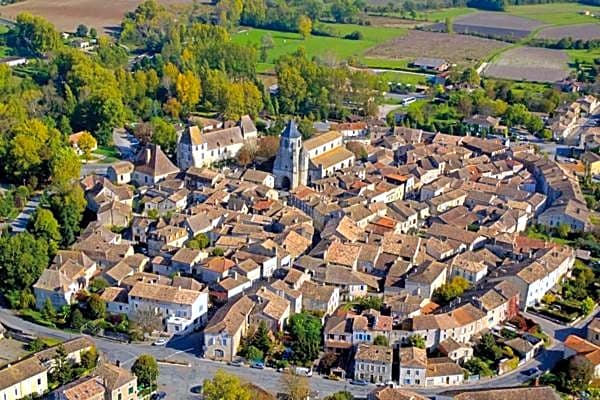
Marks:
<point>182,309</point>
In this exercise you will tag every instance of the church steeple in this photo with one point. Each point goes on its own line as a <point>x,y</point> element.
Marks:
<point>291,130</point>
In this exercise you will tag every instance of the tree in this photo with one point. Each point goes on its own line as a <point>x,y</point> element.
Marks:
<point>164,135</point>
<point>86,144</point>
<point>261,340</point>
<point>371,302</point>
<point>304,26</point>
<point>35,34</point>
<point>246,155</point>
<point>342,395</point>
<point>416,340</point>
<point>26,299</point>
<point>305,332</point>
<point>580,372</point>
<point>254,354</point>
<point>188,90</point>
<point>146,320</point>
<point>587,305</point>
<point>77,319</point>
<point>96,307</point>
<point>93,33</point>
<point>98,284</point>
<point>381,340</point>
<point>67,207</point>
<point>200,241</point>
<point>449,25</point>
<point>36,345</point>
<point>359,150</point>
<point>297,387</point>
<point>268,147</point>
<point>471,77</point>
<point>82,30</point>
<point>89,359</point>
<point>266,44</point>
<point>449,291</point>
<point>488,348</point>
<point>328,361</point>
<point>224,386</point>
<point>44,225</point>
<point>22,260</point>
<point>563,231</point>
<point>476,366</point>
<point>65,168</point>
<point>218,252</point>
<point>145,368</point>
<point>62,372</point>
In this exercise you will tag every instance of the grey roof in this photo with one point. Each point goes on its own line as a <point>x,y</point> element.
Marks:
<point>291,130</point>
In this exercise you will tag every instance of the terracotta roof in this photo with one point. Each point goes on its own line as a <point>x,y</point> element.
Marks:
<point>114,377</point>
<point>526,393</point>
<point>158,164</point>
<point>163,293</point>
<point>332,157</point>
<point>389,393</point>
<point>19,371</point>
<point>442,367</point>
<point>413,357</point>
<point>219,264</point>
<point>89,388</point>
<point>374,353</point>
<point>342,254</point>
<point>320,140</point>
<point>230,317</point>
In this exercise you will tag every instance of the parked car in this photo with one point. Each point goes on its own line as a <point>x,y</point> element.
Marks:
<point>158,396</point>
<point>258,365</point>
<point>530,371</point>
<point>304,371</point>
<point>160,342</point>
<point>235,363</point>
<point>359,382</point>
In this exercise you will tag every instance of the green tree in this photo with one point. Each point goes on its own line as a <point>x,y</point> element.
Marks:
<point>26,299</point>
<point>224,386</point>
<point>22,260</point>
<point>587,305</point>
<point>254,354</point>
<point>146,370</point>
<point>416,340</point>
<point>305,335</point>
<point>563,231</point>
<point>449,25</point>
<point>98,284</point>
<point>200,241</point>
<point>96,307</point>
<point>62,372</point>
<point>35,34</point>
<point>44,225</point>
<point>449,291</point>
<point>381,340</point>
<point>476,366</point>
<point>89,358</point>
<point>471,77</point>
<point>77,319</point>
<point>82,30</point>
<point>36,345</point>
<point>67,207</point>
<point>218,252</point>
<point>261,340</point>
<point>342,395</point>
<point>488,348</point>
<point>86,144</point>
<point>164,135</point>
<point>48,312</point>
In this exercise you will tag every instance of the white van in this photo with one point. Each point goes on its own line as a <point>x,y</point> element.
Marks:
<point>304,371</point>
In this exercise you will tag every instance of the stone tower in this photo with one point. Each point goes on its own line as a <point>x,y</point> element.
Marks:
<point>291,165</point>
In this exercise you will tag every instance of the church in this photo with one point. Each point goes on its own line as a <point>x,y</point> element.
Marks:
<point>300,162</point>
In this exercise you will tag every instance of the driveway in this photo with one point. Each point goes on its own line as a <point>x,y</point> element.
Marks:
<point>123,143</point>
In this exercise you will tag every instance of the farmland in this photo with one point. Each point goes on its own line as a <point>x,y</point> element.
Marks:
<point>530,64</point>
<point>499,25</point>
<point>556,13</point>
<point>67,14</point>
<point>575,32</point>
<point>459,49</point>
<point>321,46</point>
<point>441,15</point>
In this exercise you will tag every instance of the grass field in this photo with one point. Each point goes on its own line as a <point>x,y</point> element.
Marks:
<point>441,15</point>
<point>556,13</point>
<point>402,77</point>
<point>337,47</point>
<point>585,56</point>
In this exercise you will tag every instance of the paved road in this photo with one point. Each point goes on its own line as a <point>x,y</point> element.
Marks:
<point>177,381</point>
<point>19,224</point>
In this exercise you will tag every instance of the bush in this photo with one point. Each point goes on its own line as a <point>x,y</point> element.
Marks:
<point>36,345</point>
<point>356,35</point>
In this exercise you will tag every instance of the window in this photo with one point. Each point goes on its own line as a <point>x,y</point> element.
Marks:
<point>39,381</point>
<point>130,391</point>
<point>120,396</point>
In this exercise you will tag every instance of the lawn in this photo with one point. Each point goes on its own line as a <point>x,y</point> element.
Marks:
<point>556,13</point>
<point>402,77</point>
<point>441,15</point>
<point>109,153</point>
<point>585,56</point>
<point>338,47</point>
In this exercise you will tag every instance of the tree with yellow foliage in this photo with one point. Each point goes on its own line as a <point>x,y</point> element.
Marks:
<point>304,26</point>
<point>188,90</point>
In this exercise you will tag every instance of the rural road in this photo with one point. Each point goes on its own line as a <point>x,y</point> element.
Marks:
<point>19,224</point>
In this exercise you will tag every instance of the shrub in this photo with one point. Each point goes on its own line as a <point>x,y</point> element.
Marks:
<point>356,35</point>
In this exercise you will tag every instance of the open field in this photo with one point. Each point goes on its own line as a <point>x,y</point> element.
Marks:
<point>530,64</point>
<point>585,56</point>
<point>441,15</point>
<point>575,32</point>
<point>556,13</point>
<point>66,15</point>
<point>322,46</point>
<point>495,24</point>
<point>459,49</point>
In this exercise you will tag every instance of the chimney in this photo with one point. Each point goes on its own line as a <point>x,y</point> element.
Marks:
<point>149,153</point>
<point>118,363</point>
